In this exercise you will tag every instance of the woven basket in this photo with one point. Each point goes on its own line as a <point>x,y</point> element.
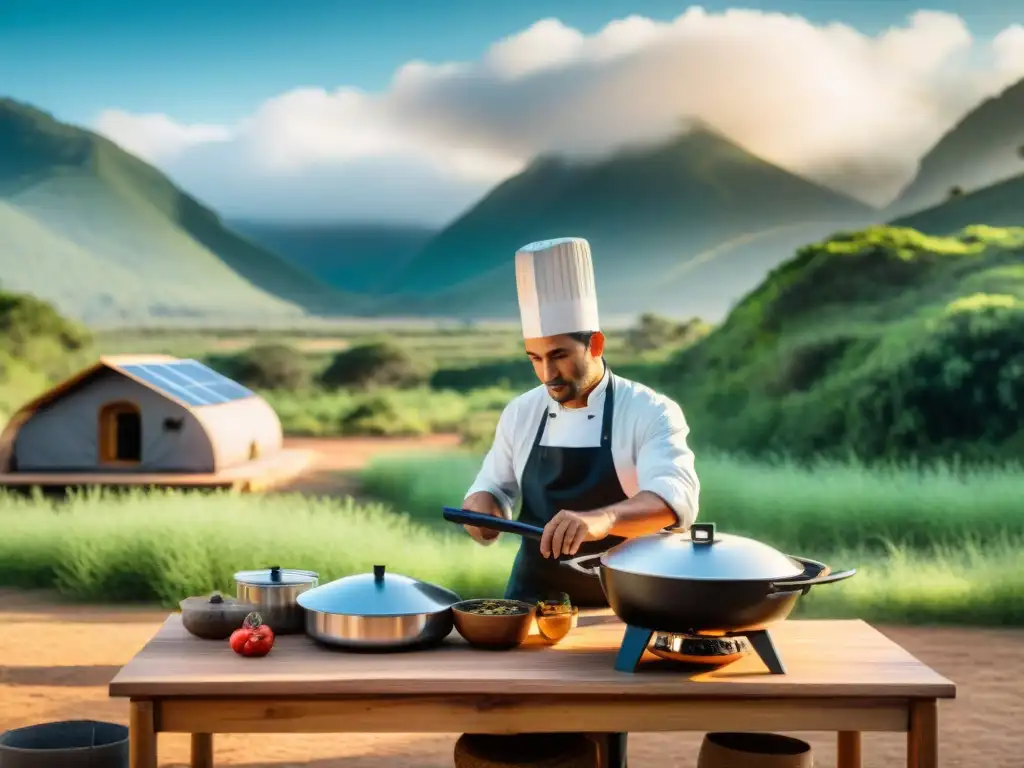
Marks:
<point>543,750</point>
<point>754,750</point>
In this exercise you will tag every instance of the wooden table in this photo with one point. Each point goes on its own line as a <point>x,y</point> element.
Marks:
<point>842,676</point>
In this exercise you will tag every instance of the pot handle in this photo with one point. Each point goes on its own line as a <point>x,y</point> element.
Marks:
<point>804,585</point>
<point>578,564</point>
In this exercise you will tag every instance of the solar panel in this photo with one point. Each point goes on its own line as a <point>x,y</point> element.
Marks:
<point>189,381</point>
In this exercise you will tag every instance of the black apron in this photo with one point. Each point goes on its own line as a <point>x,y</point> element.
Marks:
<point>577,479</point>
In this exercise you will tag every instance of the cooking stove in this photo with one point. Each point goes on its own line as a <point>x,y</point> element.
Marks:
<point>637,639</point>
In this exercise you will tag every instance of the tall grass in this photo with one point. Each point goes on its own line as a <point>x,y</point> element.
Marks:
<point>936,547</point>
<point>163,546</point>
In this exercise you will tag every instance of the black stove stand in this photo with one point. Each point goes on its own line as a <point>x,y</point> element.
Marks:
<point>636,639</point>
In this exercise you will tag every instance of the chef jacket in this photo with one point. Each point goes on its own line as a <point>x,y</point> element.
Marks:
<point>649,445</point>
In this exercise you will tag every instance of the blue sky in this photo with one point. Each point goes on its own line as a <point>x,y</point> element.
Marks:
<point>214,60</point>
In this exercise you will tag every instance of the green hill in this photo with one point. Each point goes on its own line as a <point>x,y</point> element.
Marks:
<point>360,258</point>
<point>887,342</point>
<point>110,240</point>
<point>984,147</point>
<point>998,205</point>
<point>648,213</point>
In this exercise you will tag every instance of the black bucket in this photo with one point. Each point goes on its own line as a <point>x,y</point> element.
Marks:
<point>65,744</point>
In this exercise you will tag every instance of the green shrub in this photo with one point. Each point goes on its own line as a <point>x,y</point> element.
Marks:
<point>272,366</point>
<point>372,365</point>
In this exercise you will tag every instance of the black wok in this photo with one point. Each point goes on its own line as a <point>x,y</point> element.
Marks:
<point>695,582</point>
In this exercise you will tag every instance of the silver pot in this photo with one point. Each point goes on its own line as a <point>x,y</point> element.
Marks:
<point>274,591</point>
<point>378,610</point>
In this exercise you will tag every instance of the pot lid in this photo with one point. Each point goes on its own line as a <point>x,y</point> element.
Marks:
<point>214,603</point>
<point>276,576</point>
<point>702,555</point>
<point>377,594</point>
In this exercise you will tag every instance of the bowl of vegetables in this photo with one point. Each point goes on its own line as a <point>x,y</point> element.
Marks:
<point>493,624</point>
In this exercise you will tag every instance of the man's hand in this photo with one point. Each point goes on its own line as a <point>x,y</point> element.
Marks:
<point>485,504</point>
<point>568,530</point>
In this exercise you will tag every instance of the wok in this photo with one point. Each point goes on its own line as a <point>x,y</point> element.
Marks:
<point>378,611</point>
<point>703,582</point>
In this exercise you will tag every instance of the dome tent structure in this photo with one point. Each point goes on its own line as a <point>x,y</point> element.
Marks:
<point>150,420</point>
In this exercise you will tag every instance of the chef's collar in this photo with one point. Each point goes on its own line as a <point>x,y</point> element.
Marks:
<point>596,393</point>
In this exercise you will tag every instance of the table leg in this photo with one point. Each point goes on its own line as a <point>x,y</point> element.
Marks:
<point>600,748</point>
<point>848,750</point>
<point>923,736</point>
<point>141,735</point>
<point>202,750</point>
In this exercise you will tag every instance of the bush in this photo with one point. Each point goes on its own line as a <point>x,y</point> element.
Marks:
<point>272,366</point>
<point>655,332</point>
<point>372,365</point>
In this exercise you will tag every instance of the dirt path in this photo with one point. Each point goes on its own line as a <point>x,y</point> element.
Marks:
<point>56,661</point>
<point>336,461</point>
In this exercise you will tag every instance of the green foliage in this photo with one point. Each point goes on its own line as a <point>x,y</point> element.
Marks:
<point>885,344</point>
<point>938,546</point>
<point>271,366</point>
<point>654,332</point>
<point>374,364</point>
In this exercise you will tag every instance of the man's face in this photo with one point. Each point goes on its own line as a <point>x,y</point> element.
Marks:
<point>563,364</point>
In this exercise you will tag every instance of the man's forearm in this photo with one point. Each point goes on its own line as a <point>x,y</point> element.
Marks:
<point>643,514</point>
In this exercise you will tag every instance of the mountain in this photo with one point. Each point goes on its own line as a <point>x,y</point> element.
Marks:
<point>360,258</point>
<point>109,240</point>
<point>997,205</point>
<point>693,222</point>
<point>884,345</point>
<point>983,148</point>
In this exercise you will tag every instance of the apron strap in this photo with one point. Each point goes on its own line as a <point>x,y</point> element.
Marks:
<point>606,416</point>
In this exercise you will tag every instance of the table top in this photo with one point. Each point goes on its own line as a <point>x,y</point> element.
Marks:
<point>845,658</point>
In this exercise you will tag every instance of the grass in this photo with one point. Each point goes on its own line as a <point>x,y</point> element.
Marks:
<point>930,547</point>
<point>164,546</point>
<point>391,413</point>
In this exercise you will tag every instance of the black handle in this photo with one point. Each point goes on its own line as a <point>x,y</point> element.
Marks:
<point>378,574</point>
<point>275,573</point>
<point>465,517</point>
<point>793,585</point>
<point>702,533</point>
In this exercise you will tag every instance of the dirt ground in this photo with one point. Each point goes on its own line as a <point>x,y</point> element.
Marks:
<point>56,661</point>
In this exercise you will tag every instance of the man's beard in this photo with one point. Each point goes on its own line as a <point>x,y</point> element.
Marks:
<point>570,391</point>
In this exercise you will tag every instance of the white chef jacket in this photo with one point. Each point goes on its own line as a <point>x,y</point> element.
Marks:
<point>649,445</point>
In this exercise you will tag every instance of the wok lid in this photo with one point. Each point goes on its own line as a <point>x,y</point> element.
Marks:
<point>702,555</point>
<point>378,594</point>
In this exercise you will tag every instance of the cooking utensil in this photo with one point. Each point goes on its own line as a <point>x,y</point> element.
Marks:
<point>703,582</point>
<point>213,617</point>
<point>378,611</point>
<point>274,591</point>
<point>501,631</point>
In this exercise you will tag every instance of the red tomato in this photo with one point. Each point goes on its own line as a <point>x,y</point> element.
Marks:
<point>253,638</point>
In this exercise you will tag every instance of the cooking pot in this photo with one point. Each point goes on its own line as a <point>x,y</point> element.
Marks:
<point>274,592</point>
<point>378,611</point>
<point>688,583</point>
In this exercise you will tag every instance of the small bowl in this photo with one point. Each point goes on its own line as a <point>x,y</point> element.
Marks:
<point>498,632</point>
<point>213,617</point>
<point>554,623</point>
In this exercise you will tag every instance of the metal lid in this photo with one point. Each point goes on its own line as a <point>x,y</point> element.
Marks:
<point>214,603</point>
<point>702,555</point>
<point>276,576</point>
<point>377,594</point>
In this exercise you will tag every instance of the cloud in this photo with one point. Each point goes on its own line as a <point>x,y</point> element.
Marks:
<point>827,101</point>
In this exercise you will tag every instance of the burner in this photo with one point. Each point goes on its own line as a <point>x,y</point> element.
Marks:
<point>693,646</point>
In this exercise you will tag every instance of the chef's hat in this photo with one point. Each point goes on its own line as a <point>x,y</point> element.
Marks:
<point>555,281</point>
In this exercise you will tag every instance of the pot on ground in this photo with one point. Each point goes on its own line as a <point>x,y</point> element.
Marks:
<point>66,744</point>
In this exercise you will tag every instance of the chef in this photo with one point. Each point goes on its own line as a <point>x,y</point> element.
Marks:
<point>593,457</point>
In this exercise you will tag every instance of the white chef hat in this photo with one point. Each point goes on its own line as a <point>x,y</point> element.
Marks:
<point>555,282</point>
